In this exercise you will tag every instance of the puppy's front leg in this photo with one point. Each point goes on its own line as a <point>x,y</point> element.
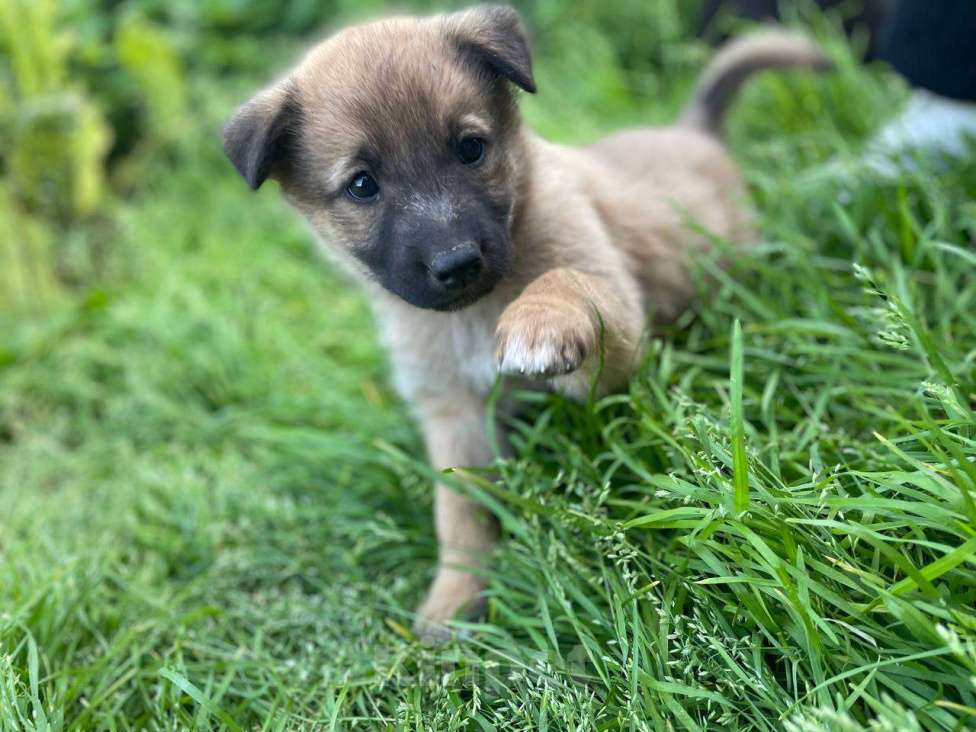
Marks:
<point>454,427</point>
<point>554,330</point>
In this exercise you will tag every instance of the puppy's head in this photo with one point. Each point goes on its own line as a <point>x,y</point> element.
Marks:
<point>400,142</point>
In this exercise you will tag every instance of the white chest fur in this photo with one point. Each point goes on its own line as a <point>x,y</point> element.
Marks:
<point>472,339</point>
<point>434,351</point>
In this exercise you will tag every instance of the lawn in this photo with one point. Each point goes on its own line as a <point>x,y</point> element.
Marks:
<point>216,512</point>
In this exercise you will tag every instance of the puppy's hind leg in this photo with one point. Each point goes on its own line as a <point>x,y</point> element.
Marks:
<point>454,427</point>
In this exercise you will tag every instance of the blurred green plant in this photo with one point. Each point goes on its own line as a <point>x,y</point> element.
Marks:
<point>153,68</point>
<point>79,116</point>
<point>53,141</point>
<point>54,138</point>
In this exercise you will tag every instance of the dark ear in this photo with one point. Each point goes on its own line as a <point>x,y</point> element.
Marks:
<point>260,136</point>
<point>493,36</point>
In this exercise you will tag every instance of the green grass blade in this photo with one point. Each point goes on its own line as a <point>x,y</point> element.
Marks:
<point>199,697</point>
<point>740,467</point>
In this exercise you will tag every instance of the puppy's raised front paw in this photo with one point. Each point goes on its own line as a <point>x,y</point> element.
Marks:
<point>541,341</point>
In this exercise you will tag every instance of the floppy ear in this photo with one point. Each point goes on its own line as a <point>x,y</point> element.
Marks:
<point>259,138</point>
<point>493,36</point>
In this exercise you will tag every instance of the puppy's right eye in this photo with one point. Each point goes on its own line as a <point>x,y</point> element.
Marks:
<point>363,186</point>
<point>471,150</point>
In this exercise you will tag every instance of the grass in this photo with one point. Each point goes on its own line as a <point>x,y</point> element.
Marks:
<point>216,515</point>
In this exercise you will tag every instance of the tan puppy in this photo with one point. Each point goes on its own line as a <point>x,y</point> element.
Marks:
<point>485,248</point>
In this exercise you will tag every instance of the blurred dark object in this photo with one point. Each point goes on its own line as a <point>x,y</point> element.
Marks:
<point>867,19</point>
<point>932,44</point>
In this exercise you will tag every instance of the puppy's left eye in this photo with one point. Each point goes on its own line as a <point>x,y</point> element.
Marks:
<point>363,186</point>
<point>471,150</point>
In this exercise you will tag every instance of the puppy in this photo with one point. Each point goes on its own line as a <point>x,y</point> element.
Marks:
<point>484,248</point>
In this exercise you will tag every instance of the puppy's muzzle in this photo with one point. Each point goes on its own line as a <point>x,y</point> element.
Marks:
<point>458,267</point>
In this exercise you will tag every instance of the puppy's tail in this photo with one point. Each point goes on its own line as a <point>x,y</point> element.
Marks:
<point>739,59</point>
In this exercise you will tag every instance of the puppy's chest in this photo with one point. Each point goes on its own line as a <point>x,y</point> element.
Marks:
<point>472,342</point>
<point>433,352</point>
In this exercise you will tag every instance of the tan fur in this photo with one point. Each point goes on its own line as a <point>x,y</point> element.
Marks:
<point>602,236</point>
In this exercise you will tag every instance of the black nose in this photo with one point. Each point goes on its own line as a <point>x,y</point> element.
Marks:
<point>457,267</point>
